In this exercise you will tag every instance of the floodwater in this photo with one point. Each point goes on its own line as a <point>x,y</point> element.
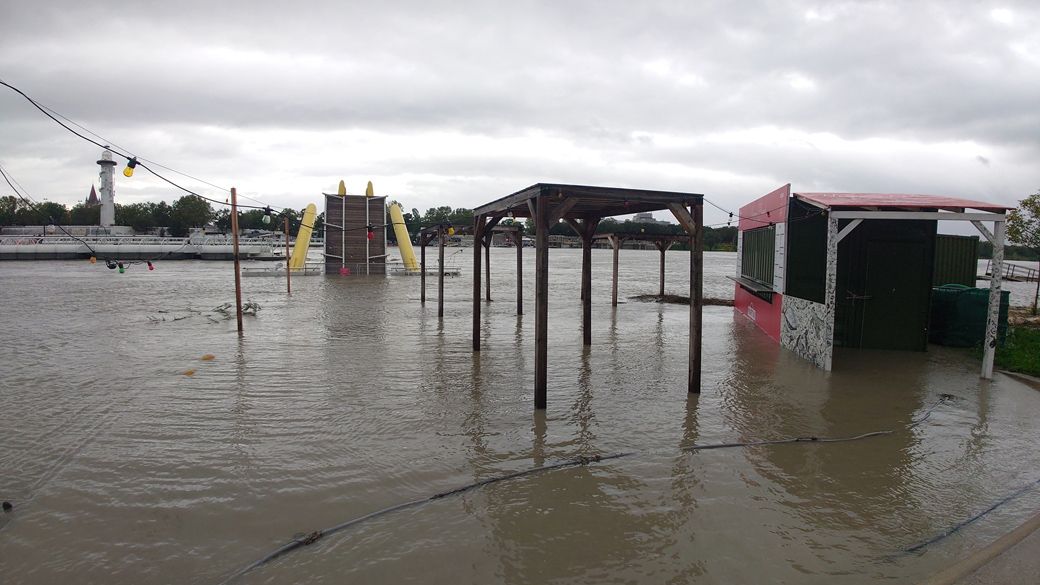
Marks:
<point>348,397</point>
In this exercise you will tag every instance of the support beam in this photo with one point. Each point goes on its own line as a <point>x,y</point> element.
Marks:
<point>541,303</point>
<point>925,215</point>
<point>683,217</point>
<point>848,229</point>
<point>478,232</point>
<point>696,298</point>
<point>989,348</point>
<point>561,210</point>
<point>984,230</point>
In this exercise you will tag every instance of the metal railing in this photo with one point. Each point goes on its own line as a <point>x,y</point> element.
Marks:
<point>129,240</point>
<point>1015,272</point>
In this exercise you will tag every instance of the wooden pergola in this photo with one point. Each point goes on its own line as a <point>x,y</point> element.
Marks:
<point>583,207</point>
<point>440,232</point>
<point>663,242</point>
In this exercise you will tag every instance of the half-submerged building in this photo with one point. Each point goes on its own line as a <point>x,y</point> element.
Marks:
<point>819,270</point>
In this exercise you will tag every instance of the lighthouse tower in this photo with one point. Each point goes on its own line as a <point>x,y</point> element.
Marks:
<point>108,191</point>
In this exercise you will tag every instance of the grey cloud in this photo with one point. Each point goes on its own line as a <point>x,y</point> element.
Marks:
<point>197,72</point>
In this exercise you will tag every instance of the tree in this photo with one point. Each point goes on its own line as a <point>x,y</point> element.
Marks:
<point>222,219</point>
<point>1023,228</point>
<point>9,206</point>
<point>189,212</point>
<point>83,214</point>
<point>46,213</point>
<point>140,216</point>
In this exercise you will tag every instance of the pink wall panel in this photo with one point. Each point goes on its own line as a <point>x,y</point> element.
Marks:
<point>768,208</point>
<point>763,313</point>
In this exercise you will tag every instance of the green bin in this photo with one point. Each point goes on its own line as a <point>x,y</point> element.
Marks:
<point>958,315</point>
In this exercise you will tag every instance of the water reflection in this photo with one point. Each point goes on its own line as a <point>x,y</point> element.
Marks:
<point>352,397</point>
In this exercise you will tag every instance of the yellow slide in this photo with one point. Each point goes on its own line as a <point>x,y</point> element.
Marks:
<point>303,239</point>
<point>403,243</point>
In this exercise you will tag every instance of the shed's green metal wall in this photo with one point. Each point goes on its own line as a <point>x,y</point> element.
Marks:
<point>956,260</point>
<point>806,252</point>
<point>884,285</point>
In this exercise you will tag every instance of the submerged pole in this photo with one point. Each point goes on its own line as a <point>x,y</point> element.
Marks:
<point>487,266</point>
<point>519,273</point>
<point>440,273</point>
<point>288,260</point>
<point>422,268</point>
<point>541,303</point>
<point>615,243</point>
<point>478,232</point>
<point>663,248</point>
<point>586,284</point>
<point>234,246</point>
<point>696,297</point>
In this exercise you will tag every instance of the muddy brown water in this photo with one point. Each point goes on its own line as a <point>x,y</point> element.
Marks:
<point>349,397</point>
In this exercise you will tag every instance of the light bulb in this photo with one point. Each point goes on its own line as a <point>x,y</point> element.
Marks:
<point>129,170</point>
<point>266,219</point>
<point>451,231</point>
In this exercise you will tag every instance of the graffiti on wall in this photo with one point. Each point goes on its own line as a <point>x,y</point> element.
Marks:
<point>807,328</point>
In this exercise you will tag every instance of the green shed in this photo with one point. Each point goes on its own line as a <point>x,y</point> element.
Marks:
<point>956,260</point>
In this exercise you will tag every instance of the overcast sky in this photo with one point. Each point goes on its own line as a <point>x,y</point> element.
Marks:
<point>459,103</point>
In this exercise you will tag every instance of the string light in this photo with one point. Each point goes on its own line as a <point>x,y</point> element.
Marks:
<point>451,230</point>
<point>371,233</point>
<point>131,164</point>
<point>267,217</point>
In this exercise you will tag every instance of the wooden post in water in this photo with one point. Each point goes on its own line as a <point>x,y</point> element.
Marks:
<point>440,272</point>
<point>588,229</point>
<point>663,247</point>
<point>234,245</point>
<point>541,302</point>
<point>288,260</point>
<point>478,233</point>
<point>696,297</point>
<point>519,272</point>
<point>615,243</point>
<point>422,268</point>
<point>487,265</point>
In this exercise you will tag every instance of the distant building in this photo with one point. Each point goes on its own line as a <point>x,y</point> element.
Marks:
<point>92,199</point>
<point>646,217</point>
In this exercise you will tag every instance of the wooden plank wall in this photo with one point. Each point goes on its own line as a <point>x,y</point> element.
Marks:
<point>355,235</point>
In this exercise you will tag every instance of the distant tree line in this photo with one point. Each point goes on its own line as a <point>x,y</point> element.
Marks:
<point>1010,252</point>
<point>178,219</point>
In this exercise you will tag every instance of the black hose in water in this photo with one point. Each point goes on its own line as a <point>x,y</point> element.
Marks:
<point>956,527</point>
<point>313,537</point>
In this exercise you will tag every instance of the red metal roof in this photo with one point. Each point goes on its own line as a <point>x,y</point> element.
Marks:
<point>896,201</point>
